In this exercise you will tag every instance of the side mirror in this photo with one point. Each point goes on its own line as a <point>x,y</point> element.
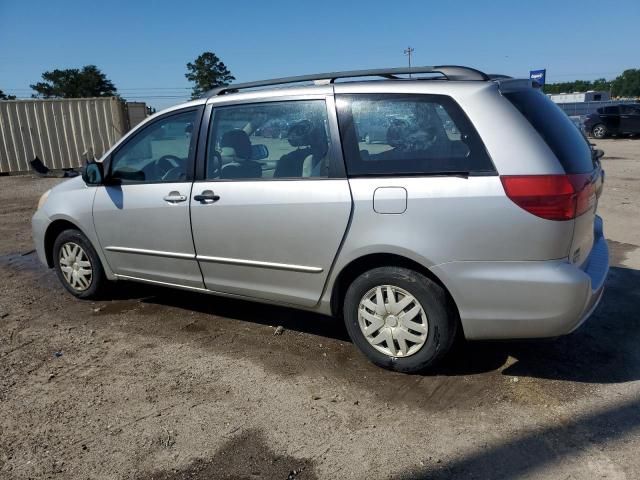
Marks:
<point>259,152</point>
<point>93,173</point>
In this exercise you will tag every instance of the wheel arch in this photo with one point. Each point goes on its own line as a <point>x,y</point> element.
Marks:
<point>374,260</point>
<point>54,229</point>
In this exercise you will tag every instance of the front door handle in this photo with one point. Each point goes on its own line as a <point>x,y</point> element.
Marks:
<point>206,196</point>
<point>174,197</point>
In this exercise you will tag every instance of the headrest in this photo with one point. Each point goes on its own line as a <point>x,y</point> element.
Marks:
<point>309,134</point>
<point>227,152</point>
<point>405,136</point>
<point>239,141</point>
<point>398,133</point>
<point>299,134</point>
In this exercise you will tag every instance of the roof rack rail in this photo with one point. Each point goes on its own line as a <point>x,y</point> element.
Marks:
<point>451,72</point>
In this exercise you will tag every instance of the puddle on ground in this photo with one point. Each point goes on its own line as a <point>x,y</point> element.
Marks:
<point>27,261</point>
<point>619,252</point>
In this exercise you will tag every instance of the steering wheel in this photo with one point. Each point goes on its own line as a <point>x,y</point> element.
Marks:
<point>171,165</point>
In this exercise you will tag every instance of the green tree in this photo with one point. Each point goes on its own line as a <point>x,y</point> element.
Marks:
<point>576,86</point>
<point>4,96</point>
<point>75,83</point>
<point>601,84</point>
<point>627,84</point>
<point>207,72</point>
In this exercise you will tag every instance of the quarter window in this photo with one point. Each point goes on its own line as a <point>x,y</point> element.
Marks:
<point>629,110</point>
<point>269,141</point>
<point>160,152</point>
<point>611,110</point>
<point>408,134</point>
<point>554,126</point>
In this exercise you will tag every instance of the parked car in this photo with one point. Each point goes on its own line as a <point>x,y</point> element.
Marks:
<point>614,120</point>
<point>273,129</point>
<point>493,231</point>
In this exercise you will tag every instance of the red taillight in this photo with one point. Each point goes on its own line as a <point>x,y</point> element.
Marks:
<point>554,197</point>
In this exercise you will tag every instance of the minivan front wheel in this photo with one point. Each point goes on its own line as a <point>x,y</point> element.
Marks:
<point>77,264</point>
<point>599,131</point>
<point>399,318</point>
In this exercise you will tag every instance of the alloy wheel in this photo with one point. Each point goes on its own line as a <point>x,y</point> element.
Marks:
<point>599,131</point>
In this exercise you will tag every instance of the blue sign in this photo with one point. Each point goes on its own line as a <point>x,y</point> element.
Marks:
<point>538,76</point>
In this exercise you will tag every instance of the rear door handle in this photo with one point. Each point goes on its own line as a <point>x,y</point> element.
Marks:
<point>174,197</point>
<point>206,196</point>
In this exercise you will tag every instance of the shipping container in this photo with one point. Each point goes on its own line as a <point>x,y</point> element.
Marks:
<point>61,132</point>
<point>136,112</point>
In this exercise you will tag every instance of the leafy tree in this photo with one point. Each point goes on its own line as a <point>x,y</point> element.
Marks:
<point>207,72</point>
<point>75,83</point>
<point>601,84</point>
<point>4,96</point>
<point>627,84</point>
<point>577,86</point>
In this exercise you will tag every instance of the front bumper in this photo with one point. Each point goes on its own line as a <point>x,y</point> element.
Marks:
<point>39,224</point>
<point>530,299</point>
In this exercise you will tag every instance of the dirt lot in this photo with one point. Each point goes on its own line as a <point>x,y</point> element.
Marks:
<point>156,383</point>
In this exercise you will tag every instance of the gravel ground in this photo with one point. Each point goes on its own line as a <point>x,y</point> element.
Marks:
<point>162,384</point>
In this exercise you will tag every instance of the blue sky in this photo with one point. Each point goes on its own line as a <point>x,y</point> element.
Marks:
<point>143,46</point>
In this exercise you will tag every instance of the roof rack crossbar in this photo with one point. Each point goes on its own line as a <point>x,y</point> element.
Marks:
<point>451,72</point>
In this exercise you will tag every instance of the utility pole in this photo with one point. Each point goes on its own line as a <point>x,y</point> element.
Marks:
<point>409,51</point>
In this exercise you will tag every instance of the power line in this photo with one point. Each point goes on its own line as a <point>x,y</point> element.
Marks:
<point>409,51</point>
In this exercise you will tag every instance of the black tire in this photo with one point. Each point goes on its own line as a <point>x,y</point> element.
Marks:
<point>441,320</point>
<point>98,280</point>
<point>599,131</point>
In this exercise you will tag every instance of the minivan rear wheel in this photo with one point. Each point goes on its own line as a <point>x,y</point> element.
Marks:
<point>599,131</point>
<point>77,264</point>
<point>399,318</point>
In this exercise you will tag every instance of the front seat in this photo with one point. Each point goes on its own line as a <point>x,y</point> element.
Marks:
<point>307,160</point>
<point>235,150</point>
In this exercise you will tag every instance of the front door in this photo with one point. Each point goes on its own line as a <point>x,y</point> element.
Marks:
<point>270,215</point>
<point>142,215</point>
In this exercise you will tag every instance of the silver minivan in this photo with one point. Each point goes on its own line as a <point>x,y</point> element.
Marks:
<point>474,212</point>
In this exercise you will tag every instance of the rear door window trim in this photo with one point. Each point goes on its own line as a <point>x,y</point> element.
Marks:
<point>350,145</point>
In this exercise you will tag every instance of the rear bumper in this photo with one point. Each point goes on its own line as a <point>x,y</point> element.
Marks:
<point>531,299</point>
<point>596,267</point>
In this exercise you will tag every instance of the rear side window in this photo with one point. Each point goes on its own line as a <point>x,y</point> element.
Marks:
<point>393,134</point>
<point>629,110</point>
<point>555,128</point>
<point>610,110</point>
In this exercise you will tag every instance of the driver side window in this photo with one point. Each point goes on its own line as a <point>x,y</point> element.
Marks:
<point>160,152</point>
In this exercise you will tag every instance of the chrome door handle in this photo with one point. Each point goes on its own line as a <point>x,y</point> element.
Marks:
<point>174,197</point>
<point>206,196</point>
